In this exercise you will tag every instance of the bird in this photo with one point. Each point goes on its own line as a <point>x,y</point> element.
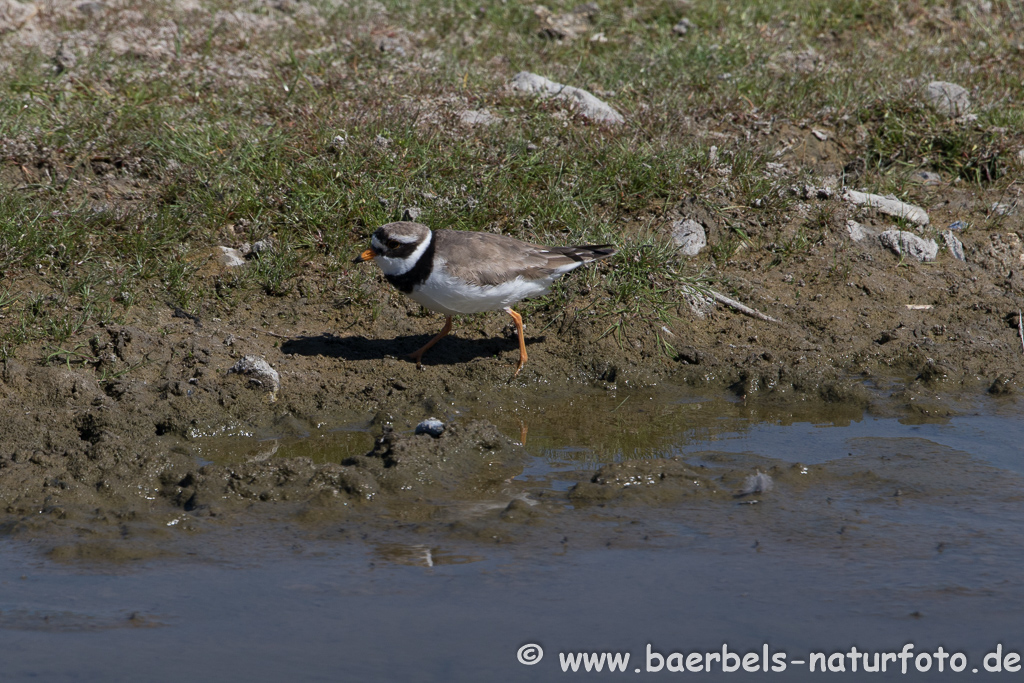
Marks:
<point>459,272</point>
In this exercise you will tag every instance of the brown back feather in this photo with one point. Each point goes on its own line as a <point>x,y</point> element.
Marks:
<point>484,258</point>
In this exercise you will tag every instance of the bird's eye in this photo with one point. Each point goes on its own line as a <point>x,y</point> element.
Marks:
<point>392,244</point>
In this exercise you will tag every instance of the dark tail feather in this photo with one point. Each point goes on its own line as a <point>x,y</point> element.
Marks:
<point>586,253</point>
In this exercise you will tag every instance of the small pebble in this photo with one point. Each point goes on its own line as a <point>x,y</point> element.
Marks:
<point>907,244</point>
<point>259,372</point>
<point>857,231</point>
<point>689,236</point>
<point>431,426</point>
<point>683,26</point>
<point>947,98</point>
<point>231,258</point>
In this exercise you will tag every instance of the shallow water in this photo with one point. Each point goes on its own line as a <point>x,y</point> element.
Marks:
<point>901,533</point>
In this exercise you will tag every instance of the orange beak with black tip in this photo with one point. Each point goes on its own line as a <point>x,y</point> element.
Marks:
<point>365,256</point>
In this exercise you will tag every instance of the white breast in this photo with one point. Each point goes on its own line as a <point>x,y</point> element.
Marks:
<point>449,295</point>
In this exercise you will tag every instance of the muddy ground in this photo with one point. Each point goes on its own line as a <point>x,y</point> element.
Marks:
<point>88,450</point>
<point>95,437</point>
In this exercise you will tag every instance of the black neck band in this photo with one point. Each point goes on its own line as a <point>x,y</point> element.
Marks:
<point>418,274</point>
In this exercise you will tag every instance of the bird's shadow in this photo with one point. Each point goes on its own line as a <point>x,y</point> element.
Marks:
<point>449,351</point>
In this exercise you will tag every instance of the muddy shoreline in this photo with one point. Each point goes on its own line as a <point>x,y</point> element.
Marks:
<point>100,446</point>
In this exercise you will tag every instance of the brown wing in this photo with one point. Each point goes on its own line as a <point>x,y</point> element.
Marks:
<point>484,258</point>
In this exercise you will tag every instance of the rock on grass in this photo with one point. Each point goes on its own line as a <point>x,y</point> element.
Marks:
<point>947,98</point>
<point>583,102</point>
<point>230,258</point>
<point>14,15</point>
<point>478,117</point>
<point>689,236</point>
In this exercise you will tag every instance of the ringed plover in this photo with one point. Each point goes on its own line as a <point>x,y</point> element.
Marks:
<point>455,272</point>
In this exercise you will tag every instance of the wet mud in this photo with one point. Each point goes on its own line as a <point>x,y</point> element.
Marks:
<point>594,465</point>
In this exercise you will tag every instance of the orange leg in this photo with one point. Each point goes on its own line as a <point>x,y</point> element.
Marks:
<point>518,320</point>
<point>418,355</point>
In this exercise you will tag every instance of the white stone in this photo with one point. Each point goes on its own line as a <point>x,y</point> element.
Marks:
<point>947,98</point>
<point>478,117</point>
<point>231,258</point>
<point>580,100</point>
<point>259,372</point>
<point>888,205</point>
<point>904,243</point>
<point>431,426</point>
<point>689,236</point>
<point>858,232</point>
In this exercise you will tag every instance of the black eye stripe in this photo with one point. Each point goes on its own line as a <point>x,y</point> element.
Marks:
<point>398,249</point>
